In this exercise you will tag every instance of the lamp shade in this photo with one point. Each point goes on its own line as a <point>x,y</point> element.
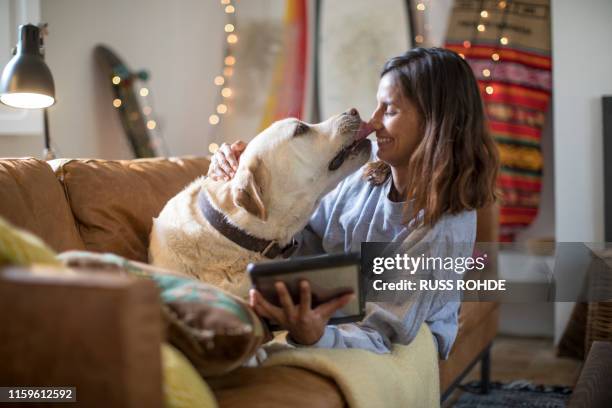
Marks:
<point>26,80</point>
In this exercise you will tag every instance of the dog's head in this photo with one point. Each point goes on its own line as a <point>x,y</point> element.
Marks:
<point>290,165</point>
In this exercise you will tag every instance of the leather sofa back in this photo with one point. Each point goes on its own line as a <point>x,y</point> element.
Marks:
<point>32,198</point>
<point>114,201</point>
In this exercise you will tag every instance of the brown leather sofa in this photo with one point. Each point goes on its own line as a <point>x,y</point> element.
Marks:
<point>101,333</point>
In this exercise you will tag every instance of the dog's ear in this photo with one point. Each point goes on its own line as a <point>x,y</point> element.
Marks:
<point>247,190</point>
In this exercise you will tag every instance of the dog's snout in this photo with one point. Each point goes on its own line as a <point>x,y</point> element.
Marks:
<point>352,112</point>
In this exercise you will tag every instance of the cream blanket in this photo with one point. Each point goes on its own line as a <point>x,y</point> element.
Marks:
<point>407,377</point>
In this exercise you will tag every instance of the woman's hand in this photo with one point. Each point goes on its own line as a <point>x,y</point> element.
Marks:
<point>224,162</point>
<point>305,325</point>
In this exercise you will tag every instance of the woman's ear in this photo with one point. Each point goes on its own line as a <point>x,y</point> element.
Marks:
<point>247,190</point>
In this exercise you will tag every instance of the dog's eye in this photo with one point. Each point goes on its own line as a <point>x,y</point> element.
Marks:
<point>300,129</point>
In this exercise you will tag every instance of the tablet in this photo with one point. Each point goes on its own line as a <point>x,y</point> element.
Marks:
<point>329,276</point>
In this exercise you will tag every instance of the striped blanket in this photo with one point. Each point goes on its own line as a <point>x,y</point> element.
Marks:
<point>507,44</point>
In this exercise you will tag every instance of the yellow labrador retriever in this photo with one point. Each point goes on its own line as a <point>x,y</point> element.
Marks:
<point>213,229</point>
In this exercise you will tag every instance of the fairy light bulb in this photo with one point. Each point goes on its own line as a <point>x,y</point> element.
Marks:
<point>230,60</point>
<point>484,14</point>
<point>495,56</point>
<point>418,39</point>
<point>232,39</point>
<point>481,27</point>
<point>228,71</point>
<point>213,119</point>
<point>226,92</point>
<point>229,28</point>
<point>151,124</point>
<point>486,73</point>
<point>144,91</point>
<point>504,40</point>
<point>489,90</point>
<point>213,147</point>
<point>116,80</point>
<point>147,110</point>
<point>117,102</point>
<point>221,108</point>
<point>219,80</point>
<point>467,44</point>
<point>420,7</point>
<point>230,9</point>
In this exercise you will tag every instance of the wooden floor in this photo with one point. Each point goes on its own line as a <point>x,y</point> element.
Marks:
<point>523,358</point>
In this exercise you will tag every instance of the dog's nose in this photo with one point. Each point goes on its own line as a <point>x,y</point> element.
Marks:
<point>352,112</point>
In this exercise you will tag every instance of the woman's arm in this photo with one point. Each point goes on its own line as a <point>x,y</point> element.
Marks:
<point>398,320</point>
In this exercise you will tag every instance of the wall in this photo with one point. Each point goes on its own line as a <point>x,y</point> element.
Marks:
<point>180,43</point>
<point>582,73</point>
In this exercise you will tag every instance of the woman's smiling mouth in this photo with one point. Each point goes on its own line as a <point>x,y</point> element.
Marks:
<point>382,141</point>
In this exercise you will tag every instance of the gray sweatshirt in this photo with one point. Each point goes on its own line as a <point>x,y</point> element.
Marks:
<point>357,211</point>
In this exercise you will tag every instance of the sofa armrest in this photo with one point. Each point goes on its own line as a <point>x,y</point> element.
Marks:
<point>98,332</point>
<point>594,387</point>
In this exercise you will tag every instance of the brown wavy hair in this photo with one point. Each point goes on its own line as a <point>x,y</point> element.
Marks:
<point>454,167</point>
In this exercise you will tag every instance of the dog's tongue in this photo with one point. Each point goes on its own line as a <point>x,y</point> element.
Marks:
<point>364,130</point>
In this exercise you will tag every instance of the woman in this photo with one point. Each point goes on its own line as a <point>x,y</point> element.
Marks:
<point>436,165</point>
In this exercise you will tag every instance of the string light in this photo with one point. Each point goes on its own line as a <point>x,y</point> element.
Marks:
<point>486,73</point>
<point>221,107</point>
<point>213,147</point>
<point>504,40</point>
<point>418,39</point>
<point>116,102</point>
<point>420,7</point>
<point>502,4</point>
<point>484,14</point>
<point>481,27</point>
<point>495,56</point>
<point>489,90</point>
<point>144,91</point>
<point>467,44</point>
<point>116,80</point>
<point>151,124</point>
<point>147,110</point>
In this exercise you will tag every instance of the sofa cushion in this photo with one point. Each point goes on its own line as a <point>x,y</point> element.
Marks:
<point>114,202</point>
<point>32,199</point>
<point>217,331</point>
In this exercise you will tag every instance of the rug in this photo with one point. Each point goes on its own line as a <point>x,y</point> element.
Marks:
<point>519,393</point>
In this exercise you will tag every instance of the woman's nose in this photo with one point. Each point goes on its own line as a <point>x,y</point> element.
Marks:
<point>375,121</point>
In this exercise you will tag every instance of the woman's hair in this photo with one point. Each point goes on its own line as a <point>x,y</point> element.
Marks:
<point>454,166</point>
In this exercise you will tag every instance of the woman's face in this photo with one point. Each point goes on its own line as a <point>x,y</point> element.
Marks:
<point>397,123</point>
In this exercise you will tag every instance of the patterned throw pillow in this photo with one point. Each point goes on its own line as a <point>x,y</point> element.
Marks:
<point>216,330</point>
<point>183,386</point>
<point>19,247</point>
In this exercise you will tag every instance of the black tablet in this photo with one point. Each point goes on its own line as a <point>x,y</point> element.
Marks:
<point>329,276</point>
